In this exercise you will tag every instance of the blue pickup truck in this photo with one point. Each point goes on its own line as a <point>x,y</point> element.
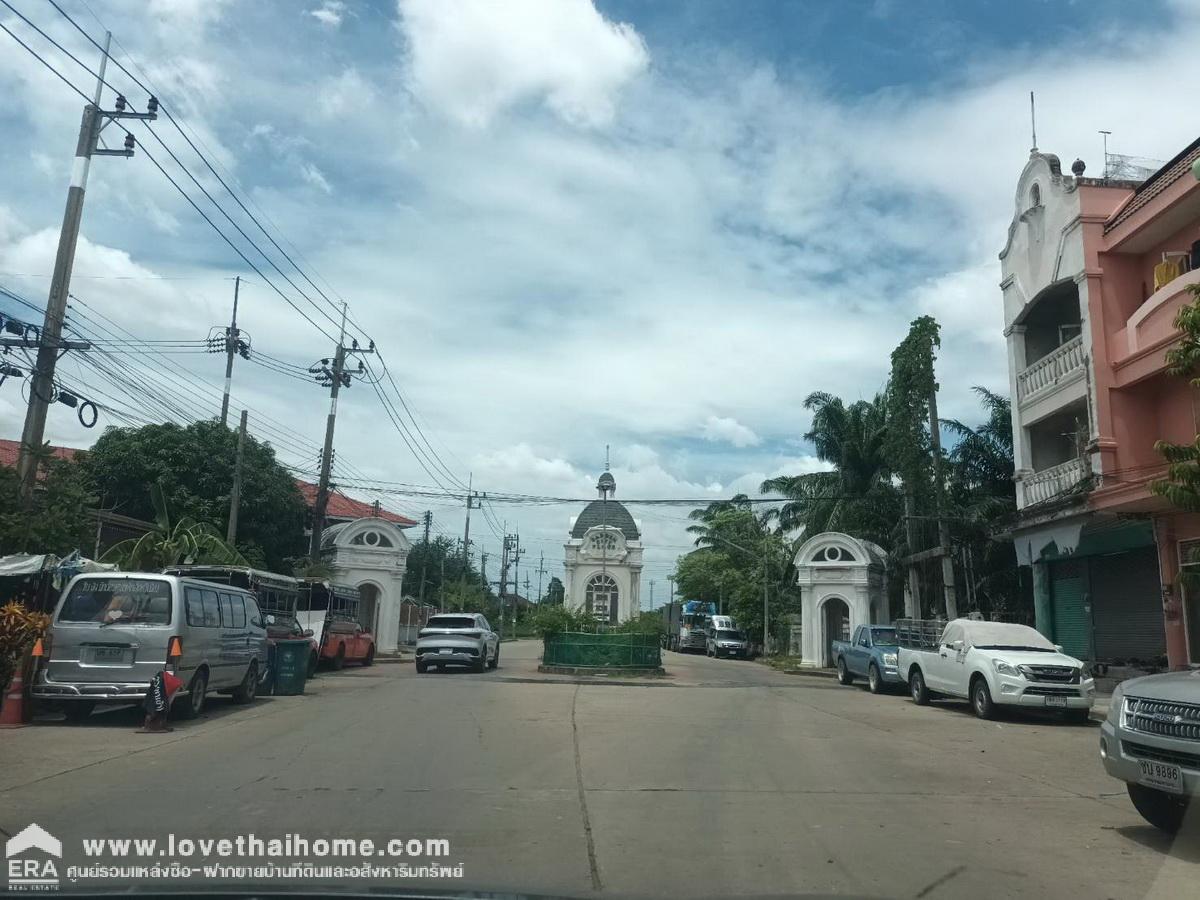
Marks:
<point>871,653</point>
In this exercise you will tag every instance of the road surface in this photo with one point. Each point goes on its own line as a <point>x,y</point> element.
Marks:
<point>724,778</point>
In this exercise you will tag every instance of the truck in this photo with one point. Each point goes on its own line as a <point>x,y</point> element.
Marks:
<point>871,653</point>
<point>685,624</point>
<point>993,665</point>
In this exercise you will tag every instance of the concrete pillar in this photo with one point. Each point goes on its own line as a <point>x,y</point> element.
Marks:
<point>387,615</point>
<point>1172,597</point>
<point>1043,611</point>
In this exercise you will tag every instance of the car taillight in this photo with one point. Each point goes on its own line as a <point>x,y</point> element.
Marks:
<point>473,634</point>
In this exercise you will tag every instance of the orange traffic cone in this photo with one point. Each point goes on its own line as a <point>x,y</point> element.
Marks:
<point>12,712</point>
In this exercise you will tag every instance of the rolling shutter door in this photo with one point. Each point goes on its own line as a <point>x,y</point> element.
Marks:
<point>1071,625</point>
<point>1127,605</point>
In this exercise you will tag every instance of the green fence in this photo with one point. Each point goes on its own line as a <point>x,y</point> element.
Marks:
<point>610,651</point>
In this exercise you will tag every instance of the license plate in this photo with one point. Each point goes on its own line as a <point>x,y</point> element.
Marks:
<point>445,650</point>
<point>1163,776</point>
<point>1056,701</point>
<point>108,654</point>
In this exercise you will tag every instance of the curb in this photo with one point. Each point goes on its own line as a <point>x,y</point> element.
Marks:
<point>601,672</point>
<point>808,673</point>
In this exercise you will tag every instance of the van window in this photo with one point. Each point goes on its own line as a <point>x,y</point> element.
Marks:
<point>125,600</point>
<point>194,607</point>
<point>212,609</point>
<point>233,611</point>
<point>253,614</point>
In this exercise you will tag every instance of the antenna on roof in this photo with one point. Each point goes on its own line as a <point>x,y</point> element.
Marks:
<point>1106,134</point>
<point>606,457</point>
<point>1033,122</point>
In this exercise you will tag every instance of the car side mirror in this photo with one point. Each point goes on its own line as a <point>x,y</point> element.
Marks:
<point>1058,647</point>
<point>308,632</point>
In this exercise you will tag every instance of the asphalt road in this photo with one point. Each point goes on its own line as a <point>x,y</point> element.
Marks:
<point>725,778</point>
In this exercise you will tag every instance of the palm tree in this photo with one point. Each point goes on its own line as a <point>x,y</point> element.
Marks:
<point>182,542</point>
<point>981,463</point>
<point>857,495</point>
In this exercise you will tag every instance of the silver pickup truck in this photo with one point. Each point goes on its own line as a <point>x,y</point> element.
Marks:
<point>1151,741</point>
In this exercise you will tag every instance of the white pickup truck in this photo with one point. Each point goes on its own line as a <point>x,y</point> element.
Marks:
<point>991,664</point>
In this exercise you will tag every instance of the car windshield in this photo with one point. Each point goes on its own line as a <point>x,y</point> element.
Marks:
<point>656,431</point>
<point>118,601</point>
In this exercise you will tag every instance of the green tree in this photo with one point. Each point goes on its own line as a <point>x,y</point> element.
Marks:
<point>58,521</point>
<point>857,495</point>
<point>450,579</point>
<point>172,543</point>
<point>555,592</point>
<point>194,465</point>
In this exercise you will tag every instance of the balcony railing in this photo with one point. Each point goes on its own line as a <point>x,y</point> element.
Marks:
<point>1051,368</point>
<point>1055,480</point>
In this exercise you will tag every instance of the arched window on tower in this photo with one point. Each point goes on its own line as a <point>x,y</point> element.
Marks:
<point>602,598</point>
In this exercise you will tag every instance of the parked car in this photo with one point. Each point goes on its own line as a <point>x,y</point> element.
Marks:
<point>458,639</point>
<point>992,664</point>
<point>724,638</point>
<point>871,653</point>
<point>1151,741</point>
<point>347,642</point>
<point>113,631</point>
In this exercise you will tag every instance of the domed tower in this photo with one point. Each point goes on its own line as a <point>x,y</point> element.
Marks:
<point>603,558</point>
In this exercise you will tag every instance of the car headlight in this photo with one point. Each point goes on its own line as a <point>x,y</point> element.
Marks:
<point>1008,669</point>
<point>1115,704</point>
<point>1085,671</point>
<point>889,659</point>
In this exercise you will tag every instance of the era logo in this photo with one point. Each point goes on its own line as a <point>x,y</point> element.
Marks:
<point>29,870</point>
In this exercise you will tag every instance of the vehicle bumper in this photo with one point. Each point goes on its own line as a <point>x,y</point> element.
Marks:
<point>1121,763</point>
<point>891,675</point>
<point>1020,692</point>
<point>733,651</point>
<point>130,691</point>
<point>455,654</point>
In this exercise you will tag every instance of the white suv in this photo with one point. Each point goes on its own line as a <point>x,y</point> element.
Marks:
<point>1151,741</point>
<point>458,639</point>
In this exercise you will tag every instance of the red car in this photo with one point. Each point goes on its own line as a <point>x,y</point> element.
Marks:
<point>347,642</point>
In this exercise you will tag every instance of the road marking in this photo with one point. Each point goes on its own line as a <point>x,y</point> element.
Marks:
<point>593,866</point>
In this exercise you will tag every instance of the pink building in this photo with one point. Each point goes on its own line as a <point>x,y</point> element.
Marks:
<point>1094,272</point>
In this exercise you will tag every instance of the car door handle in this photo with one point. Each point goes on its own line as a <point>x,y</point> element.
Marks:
<point>943,655</point>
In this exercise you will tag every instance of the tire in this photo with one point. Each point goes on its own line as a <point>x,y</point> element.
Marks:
<point>193,703</point>
<point>1164,811</point>
<point>843,676</point>
<point>369,659</point>
<point>78,710</point>
<point>248,689</point>
<point>1077,716</point>
<point>916,687</point>
<point>981,699</point>
<point>874,679</point>
<point>339,658</point>
<point>480,664</point>
<point>495,663</point>
<point>421,667</point>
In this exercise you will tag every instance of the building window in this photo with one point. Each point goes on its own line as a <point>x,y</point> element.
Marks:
<point>1035,196</point>
<point>371,539</point>
<point>602,598</point>
<point>604,542</point>
<point>832,554</point>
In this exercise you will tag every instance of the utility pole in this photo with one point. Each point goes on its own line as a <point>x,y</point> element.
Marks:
<point>504,548</point>
<point>442,587</point>
<point>935,439</point>
<point>541,570</point>
<point>50,344</point>
<point>766,611</point>
<point>466,546</point>
<point>483,585</point>
<point>428,517</point>
<point>651,594</point>
<point>231,347</point>
<point>235,496</point>
<point>671,579</point>
<point>337,377</point>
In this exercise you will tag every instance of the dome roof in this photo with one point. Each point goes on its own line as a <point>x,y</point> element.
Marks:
<point>610,513</point>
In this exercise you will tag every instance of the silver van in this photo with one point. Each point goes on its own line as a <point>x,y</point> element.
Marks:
<point>112,632</point>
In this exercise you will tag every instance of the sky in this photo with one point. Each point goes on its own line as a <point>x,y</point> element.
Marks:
<point>652,226</point>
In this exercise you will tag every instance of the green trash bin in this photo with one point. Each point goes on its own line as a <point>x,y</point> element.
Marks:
<point>291,666</point>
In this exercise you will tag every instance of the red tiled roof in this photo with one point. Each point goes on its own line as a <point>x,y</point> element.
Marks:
<point>340,506</point>
<point>10,450</point>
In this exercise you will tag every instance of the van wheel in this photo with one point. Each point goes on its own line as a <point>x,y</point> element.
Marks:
<point>248,689</point>
<point>369,659</point>
<point>916,687</point>
<point>339,658</point>
<point>981,699</point>
<point>874,679</point>
<point>193,703</point>
<point>1163,811</point>
<point>78,710</point>
<point>844,676</point>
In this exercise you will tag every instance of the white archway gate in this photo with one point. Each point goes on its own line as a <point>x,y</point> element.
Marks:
<point>841,580</point>
<point>372,555</point>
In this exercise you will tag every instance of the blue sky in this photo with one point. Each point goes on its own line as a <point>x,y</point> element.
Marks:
<point>654,225</point>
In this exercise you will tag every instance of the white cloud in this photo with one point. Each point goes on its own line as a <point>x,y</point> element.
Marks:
<point>330,13</point>
<point>472,59</point>
<point>718,428</point>
<point>311,174</point>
